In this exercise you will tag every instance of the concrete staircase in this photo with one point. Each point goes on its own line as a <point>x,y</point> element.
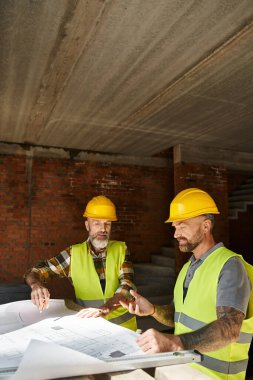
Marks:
<point>155,281</point>
<point>239,199</point>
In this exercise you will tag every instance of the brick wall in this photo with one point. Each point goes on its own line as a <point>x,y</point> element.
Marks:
<point>42,201</point>
<point>14,217</point>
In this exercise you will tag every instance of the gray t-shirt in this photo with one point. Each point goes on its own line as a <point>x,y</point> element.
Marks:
<point>234,285</point>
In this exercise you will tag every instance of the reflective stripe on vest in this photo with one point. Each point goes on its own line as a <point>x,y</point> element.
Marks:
<point>221,366</point>
<point>194,324</point>
<point>90,303</point>
<point>122,318</point>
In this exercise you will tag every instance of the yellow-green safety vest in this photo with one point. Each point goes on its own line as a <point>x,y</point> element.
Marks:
<point>87,285</point>
<point>199,309</point>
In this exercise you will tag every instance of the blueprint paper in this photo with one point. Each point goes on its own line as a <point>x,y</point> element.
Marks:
<point>61,346</point>
<point>95,337</point>
<point>44,360</point>
<point>15,315</point>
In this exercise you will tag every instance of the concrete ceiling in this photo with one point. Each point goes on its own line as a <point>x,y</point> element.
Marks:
<point>132,77</point>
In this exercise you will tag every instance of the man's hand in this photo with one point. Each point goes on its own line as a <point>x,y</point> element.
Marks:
<point>152,342</point>
<point>40,296</point>
<point>93,312</point>
<point>140,306</point>
<point>112,304</point>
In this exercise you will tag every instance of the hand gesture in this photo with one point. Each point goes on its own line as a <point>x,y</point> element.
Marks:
<point>40,297</point>
<point>139,306</point>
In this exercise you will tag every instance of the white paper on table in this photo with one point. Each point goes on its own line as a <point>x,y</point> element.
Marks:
<point>9,322</point>
<point>44,360</point>
<point>95,337</point>
<point>15,315</point>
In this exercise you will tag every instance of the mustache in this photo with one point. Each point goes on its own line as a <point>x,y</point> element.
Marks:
<point>100,234</point>
<point>181,238</point>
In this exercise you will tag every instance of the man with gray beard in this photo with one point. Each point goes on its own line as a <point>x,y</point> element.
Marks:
<point>99,269</point>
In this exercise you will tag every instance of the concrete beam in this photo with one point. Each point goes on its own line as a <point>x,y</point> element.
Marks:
<point>209,156</point>
<point>77,155</point>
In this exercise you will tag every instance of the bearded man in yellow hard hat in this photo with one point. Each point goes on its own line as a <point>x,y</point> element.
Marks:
<point>212,310</point>
<point>100,269</point>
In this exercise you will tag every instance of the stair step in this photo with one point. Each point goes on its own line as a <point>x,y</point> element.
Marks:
<point>242,192</point>
<point>155,281</point>
<point>166,261</point>
<point>234,213</point>
<point>241,197</point>
<point>155,289</point>
<point>168,251</point>
<point>247,185</point>
<point>154,272</point>
<point>240,205</point>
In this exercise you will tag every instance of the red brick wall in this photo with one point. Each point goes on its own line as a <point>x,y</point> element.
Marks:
<point>14,217</point>
<point>42,201</point>
<point>213,180</point>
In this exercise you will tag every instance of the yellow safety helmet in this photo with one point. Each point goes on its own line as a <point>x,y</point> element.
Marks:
<point>189,203</point>
<point>100,207</point>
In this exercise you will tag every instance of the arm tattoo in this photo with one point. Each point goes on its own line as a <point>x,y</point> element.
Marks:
<point>165,314</point>
<point>217,334</point>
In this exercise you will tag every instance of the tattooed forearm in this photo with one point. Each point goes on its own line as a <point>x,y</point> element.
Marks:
<point>217,334</point>
<point>165,314</point>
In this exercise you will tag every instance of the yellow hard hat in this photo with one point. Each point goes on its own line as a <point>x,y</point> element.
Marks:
<point>100,207</point>
<point>189,203</point>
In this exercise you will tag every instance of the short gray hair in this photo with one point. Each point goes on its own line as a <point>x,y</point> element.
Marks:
<point>211,218</point>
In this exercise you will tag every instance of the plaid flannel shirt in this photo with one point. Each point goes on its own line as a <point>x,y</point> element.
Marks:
<point>60,266</point>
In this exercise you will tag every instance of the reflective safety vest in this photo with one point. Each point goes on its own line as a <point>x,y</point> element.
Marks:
<point>199,309</point>
<point>87,285</point>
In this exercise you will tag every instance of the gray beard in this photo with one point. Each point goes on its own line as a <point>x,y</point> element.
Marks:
<point>99,244</point>
<point>191,245</point>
